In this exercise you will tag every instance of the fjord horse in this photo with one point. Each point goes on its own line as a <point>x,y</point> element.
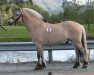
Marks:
<point>44,33</point>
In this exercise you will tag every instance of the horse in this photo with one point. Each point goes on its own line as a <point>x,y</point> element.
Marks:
<point>44,33</point>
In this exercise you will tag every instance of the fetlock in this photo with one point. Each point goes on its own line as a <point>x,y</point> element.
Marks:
<point>85,64</point>
<point>39,67</point>
<point>44,65</point>
<point>76,65</point>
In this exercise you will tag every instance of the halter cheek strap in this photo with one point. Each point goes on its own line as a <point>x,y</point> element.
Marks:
<point>17,18</point>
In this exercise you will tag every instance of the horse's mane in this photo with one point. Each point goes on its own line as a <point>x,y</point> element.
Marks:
<point>34,13</point>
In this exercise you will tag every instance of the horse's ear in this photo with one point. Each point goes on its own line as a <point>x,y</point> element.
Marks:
<point>21,9</point>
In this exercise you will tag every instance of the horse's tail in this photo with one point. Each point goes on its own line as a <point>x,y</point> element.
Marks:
<point>84,41</point>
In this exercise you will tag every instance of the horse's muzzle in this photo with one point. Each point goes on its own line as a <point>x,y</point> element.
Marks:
<point>10,23</point>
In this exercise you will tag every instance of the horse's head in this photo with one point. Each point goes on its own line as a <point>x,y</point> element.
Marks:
<point>16,17</point>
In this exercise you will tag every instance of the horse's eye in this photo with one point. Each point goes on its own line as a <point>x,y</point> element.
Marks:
<point>16,15</point>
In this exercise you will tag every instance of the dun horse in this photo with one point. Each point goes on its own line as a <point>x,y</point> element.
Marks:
<point>44,33</point>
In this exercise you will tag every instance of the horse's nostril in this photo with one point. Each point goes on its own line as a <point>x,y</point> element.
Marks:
<point>9,22</point>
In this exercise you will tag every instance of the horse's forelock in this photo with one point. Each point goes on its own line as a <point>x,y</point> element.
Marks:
<point>34,13</point>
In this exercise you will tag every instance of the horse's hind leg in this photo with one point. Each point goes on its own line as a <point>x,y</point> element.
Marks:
<point>77,62</point>
<point>84,54</point>
<point>40,56</point>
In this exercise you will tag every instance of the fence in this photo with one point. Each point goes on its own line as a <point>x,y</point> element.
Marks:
<point>29,46</point>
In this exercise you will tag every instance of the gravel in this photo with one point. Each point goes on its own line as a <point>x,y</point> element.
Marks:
<point>57,68</point>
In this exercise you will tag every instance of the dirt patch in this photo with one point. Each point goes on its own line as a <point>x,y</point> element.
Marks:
<point>57,68</point>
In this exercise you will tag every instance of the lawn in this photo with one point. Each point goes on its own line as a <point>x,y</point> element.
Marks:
<point>14,33</point>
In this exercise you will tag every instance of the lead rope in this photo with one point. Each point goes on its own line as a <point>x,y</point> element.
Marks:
<point>2,26</point>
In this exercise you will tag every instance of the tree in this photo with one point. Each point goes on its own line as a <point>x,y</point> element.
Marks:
<point>18,2</point>
<point>3,2</point>
<point>31,2</point>
<point>89,15</point>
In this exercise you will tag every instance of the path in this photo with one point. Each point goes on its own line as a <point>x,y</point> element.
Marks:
<point>57,68</point>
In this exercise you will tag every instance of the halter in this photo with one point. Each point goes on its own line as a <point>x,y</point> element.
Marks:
<point>17,18</point>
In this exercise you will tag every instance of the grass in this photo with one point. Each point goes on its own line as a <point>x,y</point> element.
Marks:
<point>14,33</point>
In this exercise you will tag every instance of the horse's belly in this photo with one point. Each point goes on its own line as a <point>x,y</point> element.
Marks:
<point>54,39</point>
<point>57,40</point>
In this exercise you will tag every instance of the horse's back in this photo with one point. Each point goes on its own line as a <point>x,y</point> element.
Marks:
<point>71,25</point>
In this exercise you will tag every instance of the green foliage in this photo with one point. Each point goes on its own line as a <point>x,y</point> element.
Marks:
<point>14,33</point>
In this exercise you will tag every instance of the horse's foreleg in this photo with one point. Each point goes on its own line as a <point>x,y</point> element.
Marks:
<point>42,60</point>
<point>39,65</point>
<point>40,57</point>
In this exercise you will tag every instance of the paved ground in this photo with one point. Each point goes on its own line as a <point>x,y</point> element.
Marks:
<point>57,68</point>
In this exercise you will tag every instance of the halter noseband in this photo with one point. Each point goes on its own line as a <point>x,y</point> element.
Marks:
<point>17,18</point>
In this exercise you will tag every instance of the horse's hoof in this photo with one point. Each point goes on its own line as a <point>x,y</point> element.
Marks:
<point>84,67</point>
<point>76,65</point>
<point>44,65</point>
<point>39,67</point>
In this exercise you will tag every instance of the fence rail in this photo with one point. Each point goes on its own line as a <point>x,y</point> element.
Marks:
<point>29,46</point>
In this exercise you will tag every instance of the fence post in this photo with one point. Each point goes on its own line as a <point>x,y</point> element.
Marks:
<point>50,56</point>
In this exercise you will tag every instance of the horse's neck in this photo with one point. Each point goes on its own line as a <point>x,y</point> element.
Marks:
<point>31,22</point>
